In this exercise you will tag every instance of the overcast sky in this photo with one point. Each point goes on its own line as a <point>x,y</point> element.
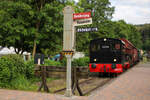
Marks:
<point>132,11</point>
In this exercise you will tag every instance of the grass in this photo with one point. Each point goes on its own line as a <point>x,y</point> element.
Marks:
<point>145,60</point>
<point>22,83</point>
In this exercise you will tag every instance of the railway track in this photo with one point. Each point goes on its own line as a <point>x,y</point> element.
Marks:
<point>82,82</point>
<point>97,85</point>
<point>89,85</point>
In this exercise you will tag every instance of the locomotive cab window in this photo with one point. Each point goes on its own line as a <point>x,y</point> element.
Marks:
<point>95,47</point>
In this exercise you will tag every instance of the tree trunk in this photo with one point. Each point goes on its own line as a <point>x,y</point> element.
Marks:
<point>39,5</point>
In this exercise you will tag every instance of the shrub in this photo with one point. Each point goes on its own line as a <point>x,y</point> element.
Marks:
<point>30,66</point>
<point>30,69</point>
<point>51,63</point>
<point>20,83</point>
<point>11,66</point>
<point>81,61</point>
<point>63,61</point>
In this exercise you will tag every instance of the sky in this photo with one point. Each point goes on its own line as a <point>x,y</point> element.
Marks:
<point>132,11</point>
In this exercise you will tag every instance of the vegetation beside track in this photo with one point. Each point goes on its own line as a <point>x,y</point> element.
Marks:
<point>15,73</point>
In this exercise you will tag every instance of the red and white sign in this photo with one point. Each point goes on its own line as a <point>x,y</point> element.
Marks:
<point>84,15</point>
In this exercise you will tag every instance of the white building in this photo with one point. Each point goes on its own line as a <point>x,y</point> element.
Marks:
<point>78,55</point>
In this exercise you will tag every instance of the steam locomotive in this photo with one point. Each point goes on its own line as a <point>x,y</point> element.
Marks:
<point>109,55</point>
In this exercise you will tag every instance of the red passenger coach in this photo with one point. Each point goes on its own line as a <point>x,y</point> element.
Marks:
<point>130,51</point>
<point>109,55</point>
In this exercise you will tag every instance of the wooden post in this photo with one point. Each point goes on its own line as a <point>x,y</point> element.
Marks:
<point>43,76</point>
<point>75,82</point>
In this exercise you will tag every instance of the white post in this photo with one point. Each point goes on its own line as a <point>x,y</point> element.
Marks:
<point>68,84</point>
<point>39,61</point>
<point>68,44</point>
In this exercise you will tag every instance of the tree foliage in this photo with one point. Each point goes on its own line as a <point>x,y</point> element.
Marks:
<point>24,22</point>
<point>16,25</point>
<point>145,32</point>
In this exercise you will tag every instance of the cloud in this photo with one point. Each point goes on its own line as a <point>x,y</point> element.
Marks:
<point>132,11</point>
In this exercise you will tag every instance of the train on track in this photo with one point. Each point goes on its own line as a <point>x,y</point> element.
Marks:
<point>109,55</point>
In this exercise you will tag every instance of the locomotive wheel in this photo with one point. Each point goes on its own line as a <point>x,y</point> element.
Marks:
<point>115,75</point>
<point>123,69</point>
<point>101,74</point>
<point>130,61</point>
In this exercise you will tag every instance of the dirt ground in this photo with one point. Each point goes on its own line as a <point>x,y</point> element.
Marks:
<point>87,84</point>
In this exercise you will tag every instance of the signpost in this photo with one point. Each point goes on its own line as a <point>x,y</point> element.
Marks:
<point>70,21</point>
<point>68,44</point>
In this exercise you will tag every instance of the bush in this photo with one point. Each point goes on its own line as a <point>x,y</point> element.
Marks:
<point>30,66</point>
<point>11,66</point>
<point>51,63</point>
<point>63,61</point>
<point>81,61</point>
<point>20,82</point>
<point>30,69</point>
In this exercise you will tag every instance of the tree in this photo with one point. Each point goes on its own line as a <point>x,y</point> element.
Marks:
<point>145,33</point>
<point>120,29</point>
<point>16,21</point>
<point>32,23</point>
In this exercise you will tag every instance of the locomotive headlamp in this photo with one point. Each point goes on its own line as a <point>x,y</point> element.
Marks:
<point>105,39</point>
<point>115,60</point>
<point>94,59</point>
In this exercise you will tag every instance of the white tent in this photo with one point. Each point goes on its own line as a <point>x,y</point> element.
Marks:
<point>11,50</point>
<point>6,50</point>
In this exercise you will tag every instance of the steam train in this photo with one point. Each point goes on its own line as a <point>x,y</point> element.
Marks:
<point>109,55</point>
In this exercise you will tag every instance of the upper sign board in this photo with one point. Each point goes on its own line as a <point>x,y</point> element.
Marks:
<point>81,15</point>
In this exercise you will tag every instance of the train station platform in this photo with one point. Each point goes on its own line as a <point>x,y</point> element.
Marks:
<point>132,85</point>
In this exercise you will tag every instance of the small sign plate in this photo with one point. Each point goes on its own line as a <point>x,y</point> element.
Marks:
<point>82,22</point>
<point>88,29</point>
<point>68,52</point>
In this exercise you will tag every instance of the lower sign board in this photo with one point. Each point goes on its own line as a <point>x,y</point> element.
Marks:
<point>89,29</point>
<point>83,22</point>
